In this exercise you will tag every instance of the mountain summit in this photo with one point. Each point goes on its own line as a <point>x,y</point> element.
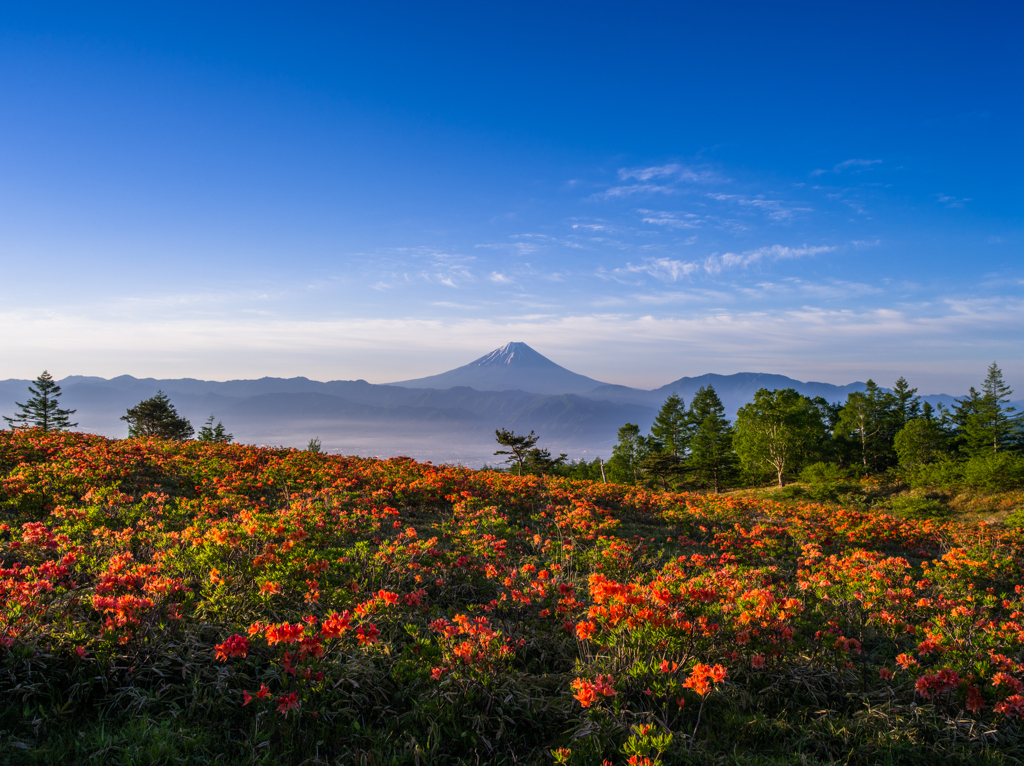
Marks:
<point>514,366</point>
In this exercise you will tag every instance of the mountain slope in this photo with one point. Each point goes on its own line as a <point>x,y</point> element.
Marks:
<point>512,367</point>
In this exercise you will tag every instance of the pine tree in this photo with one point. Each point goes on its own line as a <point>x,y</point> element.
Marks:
<point>1003,421</point>
<point>42,410</point>
<point>156,416</point>
<point>214,433</point>
<point>908,403</point>
<point>519,447</point>
<point>539,461</point>
<point>671,427</point>
<point>984,423</point>
<point>712,460</point>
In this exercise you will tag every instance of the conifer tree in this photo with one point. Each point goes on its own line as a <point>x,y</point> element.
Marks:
<point>519,447</point>
<point>712,460</point>
<point>42,409</point>
<point>908,403</point>
<point>985,423</point>
<point>671,427</point>
<point>156,416</point>
<point>214,433</point>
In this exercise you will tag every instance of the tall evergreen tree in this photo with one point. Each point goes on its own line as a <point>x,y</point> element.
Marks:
<point>712,460</point>
<point>908,403</point>
<point>156,416</point>
<point>1000,421</point>
<point>671,427</point>
<point>984,424</point>
<point>42,410</point>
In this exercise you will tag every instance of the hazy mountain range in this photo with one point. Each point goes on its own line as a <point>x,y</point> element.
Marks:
<point>448,417</point>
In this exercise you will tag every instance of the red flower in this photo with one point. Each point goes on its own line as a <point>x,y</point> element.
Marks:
<point>367,635</point>
<point>287,702</point>
<point>236,646</point>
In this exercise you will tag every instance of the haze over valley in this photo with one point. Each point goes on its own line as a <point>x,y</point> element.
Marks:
<point>448,417</point>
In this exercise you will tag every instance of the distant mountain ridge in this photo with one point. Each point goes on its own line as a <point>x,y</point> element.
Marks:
<point>449,417</point>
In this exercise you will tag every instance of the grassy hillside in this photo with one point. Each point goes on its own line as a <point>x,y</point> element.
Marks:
<point>179,603</point>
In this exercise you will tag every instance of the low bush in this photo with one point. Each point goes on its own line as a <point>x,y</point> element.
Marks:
<point>917,507</point>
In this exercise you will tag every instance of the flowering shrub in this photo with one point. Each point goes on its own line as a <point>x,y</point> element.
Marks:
<point>295,597</point>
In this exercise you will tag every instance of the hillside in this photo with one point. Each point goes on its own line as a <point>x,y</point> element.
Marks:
<point>326,609</point>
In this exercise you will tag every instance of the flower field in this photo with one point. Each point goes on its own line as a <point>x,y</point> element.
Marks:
<point>172,602</point>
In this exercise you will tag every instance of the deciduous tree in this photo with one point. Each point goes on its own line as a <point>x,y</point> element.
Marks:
<point>870,416</point>
<point>776,431</point>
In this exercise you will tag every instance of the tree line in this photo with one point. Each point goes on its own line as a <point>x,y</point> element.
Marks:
<point>155,416</point>
<point>782,434</point>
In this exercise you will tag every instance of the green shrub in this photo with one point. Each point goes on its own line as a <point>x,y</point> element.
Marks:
<point>1003,470</point>
<point>824,473</point>
<point>917,507</point>
<point>992,473</point>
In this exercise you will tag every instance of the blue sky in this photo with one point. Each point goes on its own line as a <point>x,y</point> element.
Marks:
<point>640,191</point>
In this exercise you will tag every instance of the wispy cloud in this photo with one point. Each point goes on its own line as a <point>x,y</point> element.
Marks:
<point>949,201</point>
<point>665,269</point>
<point>775,209</point>
<point>632,189</point>
<point>716,263</point>
<point>671,270</point>
<point>673,171</point>
<point>671,220</point>
<point>518,248</point>
<point>671,178</point>
<point>847,164</point>
<point>838,345</point>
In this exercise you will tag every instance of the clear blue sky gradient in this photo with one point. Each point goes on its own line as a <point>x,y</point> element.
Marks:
<point>640,191</point>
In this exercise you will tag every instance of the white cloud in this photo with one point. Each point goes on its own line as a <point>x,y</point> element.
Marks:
<point>951,340</point>
<point>670,270</point>
<point>501,279</point>
<point>628,191</point>
<point>659,179</point>
<point>671,220</point>
<point>949,201</point>
<point>846,164</point>
<point>665,269</point>
<point>673,171</point>
<point>773,208</point>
